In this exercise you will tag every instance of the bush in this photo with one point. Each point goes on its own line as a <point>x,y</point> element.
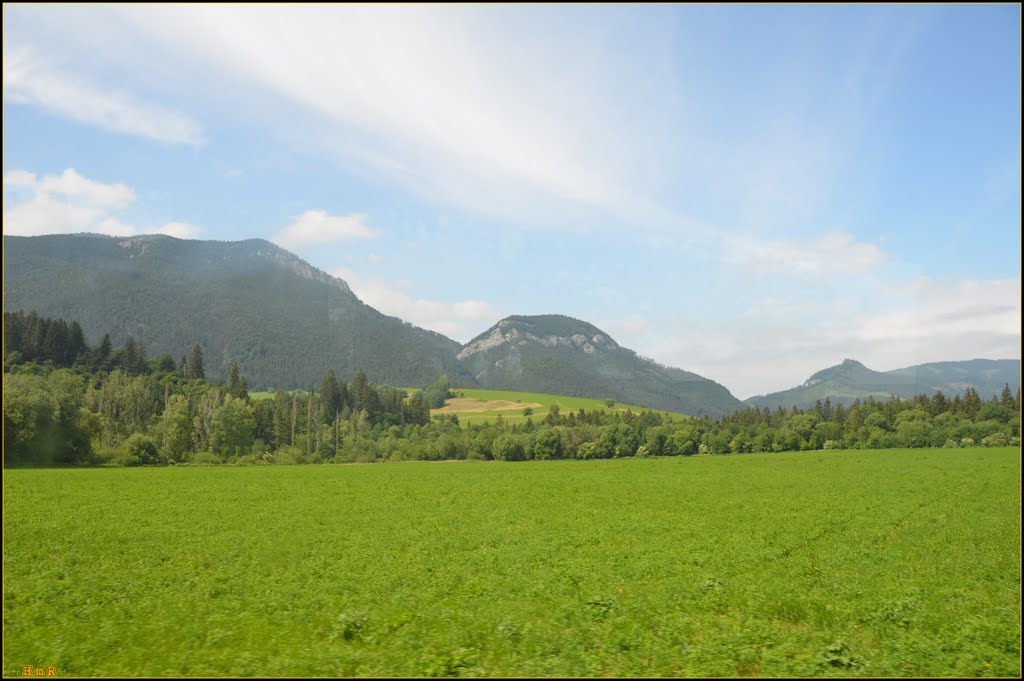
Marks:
<point>122,457</point>
<point>508,447</point>
<point>996,440</point>
<point>205,459</point>
<point>141,449</point>
<point>548,445</point>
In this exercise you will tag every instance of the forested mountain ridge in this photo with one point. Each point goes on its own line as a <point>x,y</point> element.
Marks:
<point>283,321</point>
<point>562,355</point>
<point>249,302</point>
<point>851,380</point>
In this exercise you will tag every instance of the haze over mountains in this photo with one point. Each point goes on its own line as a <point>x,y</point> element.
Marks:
<point>852,380</point>
<point>285,323</point>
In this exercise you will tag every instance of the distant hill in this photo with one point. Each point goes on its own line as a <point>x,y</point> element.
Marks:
<point>851,380</point>
<point>561,355</point>
<point>284,321</point>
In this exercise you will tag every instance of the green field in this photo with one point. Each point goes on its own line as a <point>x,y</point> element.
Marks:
<point>868,563</point>
<point>467,405</point>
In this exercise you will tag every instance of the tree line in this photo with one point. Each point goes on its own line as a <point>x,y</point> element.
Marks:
<point>68,403</point>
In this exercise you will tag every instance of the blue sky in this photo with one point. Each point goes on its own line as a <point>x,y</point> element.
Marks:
<point>750,193</point>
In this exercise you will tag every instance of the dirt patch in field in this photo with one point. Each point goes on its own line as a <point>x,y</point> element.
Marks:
<point>460,405</point>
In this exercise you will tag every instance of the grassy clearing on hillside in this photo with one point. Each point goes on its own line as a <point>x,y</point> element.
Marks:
<point>472,406</point>
<point>871,563</point>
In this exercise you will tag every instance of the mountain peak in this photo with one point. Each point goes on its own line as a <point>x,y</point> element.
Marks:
<point>550,331</point>
<point>847,369</point>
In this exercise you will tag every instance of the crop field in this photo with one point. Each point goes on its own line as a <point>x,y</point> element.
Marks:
<point>866,563</point>
<point>477,406</point>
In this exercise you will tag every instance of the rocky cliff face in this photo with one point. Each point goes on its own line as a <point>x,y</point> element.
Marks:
<point>519,334</point>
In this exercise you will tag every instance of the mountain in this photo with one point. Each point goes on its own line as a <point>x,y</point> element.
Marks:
<point>851,380</point>
<point>566,356</point>
<point>251,302</point>
<point>285,323</point>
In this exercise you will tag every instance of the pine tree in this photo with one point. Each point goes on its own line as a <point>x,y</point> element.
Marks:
<point>234,384</point>
<point>76,342</point>
<point>330,396</point>
<point>194,367</point>
<point>102,353</point>
<point>130,356</point>
<point>971,402</point>
<point>1007,398</point>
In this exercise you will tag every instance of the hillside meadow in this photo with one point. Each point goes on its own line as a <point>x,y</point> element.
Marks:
<point>846,563</point>
<point>477,406</point>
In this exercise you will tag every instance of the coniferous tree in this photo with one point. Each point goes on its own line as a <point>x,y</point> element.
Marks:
<point>330,396</point>
<point>133,358</point>
<point>1007,398</point>
<point>76,342</point>
<point>102,352</point>
<point>194,367</point>
<point>234,384</point>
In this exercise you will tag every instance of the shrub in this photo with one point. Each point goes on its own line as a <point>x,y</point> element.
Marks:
<point>508,448</point>
<point>141,449</point>
<point>205,459</point>
<point>996,440</point>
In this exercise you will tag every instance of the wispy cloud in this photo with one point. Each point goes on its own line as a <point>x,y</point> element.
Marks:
<point>831,253</point>
<point>317,227</point>
<point>469,108</point>
<point>914,322</point>
<point>28,80</point>
<point>71,202</point>
<point>460,320</point>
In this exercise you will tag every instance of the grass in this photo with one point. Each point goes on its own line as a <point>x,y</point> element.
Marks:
<point>471,405</point>
<point>868,563</point>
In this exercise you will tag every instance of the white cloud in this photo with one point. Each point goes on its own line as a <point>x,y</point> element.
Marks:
<point>942,310</point>
<point>71,202</point>
<point>180,230</point>
<point>317,227</point>
<point>27,80</point>
<point>114,227</point>
<point>73,186</point>
<point>459,321</point>
<point>19,179</point>
<point>44,214</point>
<point>466,107</point>
<point>923,321</point>
<point>67,202</point>
<point>831,253</point>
